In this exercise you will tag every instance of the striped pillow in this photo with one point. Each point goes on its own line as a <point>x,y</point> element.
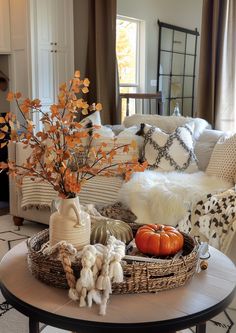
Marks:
<point>101,190</point>
<point>98,190</point>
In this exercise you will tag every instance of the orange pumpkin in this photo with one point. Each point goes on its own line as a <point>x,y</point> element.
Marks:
<point>159,240</point>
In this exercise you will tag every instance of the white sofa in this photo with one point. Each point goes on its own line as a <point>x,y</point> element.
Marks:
<point>206,139</point>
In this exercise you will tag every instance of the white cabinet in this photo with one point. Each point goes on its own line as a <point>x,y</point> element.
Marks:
<point>43,46</point>
<point>5,45</point>
<point>54,43</point>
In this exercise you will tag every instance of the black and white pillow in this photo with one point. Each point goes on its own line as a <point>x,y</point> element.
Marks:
<point>169,152</point>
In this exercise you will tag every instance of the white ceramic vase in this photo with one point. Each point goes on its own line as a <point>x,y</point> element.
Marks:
<point>69,223</point>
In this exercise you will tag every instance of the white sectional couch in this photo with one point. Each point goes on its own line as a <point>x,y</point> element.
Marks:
<point>205,140</point>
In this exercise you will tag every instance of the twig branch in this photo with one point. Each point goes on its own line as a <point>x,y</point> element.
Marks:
<point>36,172</point>
<point>109,167</point>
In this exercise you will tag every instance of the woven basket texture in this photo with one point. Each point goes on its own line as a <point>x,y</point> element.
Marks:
<point>139,277</point>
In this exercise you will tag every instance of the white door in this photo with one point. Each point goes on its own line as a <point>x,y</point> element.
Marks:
<point>45,51</point>
<point>64,49</point>
<point>55,47</point>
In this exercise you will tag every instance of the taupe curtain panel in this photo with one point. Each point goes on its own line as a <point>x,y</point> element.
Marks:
<point>216,87</point>
<point>101,57</point>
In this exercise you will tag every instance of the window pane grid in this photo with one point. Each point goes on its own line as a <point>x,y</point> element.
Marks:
<point>176,66</point>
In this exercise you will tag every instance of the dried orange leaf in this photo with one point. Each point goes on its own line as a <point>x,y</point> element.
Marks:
<point>126,149</point>
<point>133,144</point>
<point>85,90</point>
<point>86,82</point>
<point>18,95</point>
<point>3,165</point>
<point>24,108</point>
<point>63,87</point>
<point>4,128</point>
<point>77,74</point>
<point>98,106</point>
<point>3,144</point>
<point>84,112</point>
<point>10,96</point>
<point>96,136</point>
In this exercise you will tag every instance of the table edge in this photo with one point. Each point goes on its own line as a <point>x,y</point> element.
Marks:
<point>68,323</point>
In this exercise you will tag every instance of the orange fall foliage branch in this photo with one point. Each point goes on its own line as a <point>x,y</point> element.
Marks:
<point>62,153</point>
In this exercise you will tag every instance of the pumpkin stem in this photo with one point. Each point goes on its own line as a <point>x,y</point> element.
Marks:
<point>161,228</point>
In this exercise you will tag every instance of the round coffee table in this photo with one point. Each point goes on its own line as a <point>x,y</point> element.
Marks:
<point>206,295</point>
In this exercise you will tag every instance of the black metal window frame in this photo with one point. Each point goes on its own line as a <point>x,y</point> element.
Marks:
<point>170,75</point>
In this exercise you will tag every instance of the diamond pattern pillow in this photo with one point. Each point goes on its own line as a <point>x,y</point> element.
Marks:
<point>169,152</point>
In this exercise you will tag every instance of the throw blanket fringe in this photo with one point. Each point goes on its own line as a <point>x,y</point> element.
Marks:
<point>36,206</point>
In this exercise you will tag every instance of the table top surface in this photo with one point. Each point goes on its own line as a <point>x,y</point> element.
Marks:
<point>210,289</point>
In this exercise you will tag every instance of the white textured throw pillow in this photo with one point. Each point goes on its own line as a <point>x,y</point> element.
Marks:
<point>169,152</point>
<point>204,146</point>
<point>223,159</point>
<point>108,143</point>
<point>94,117</point>
<point>167,123</point>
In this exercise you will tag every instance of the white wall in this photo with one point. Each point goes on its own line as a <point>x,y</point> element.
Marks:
<point>183,13</point>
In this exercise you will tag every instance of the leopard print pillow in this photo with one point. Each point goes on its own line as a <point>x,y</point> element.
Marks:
<point>117,211</point>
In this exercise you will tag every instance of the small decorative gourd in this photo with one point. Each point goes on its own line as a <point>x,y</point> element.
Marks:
<point>203,265</point>
<point>159,240</point>
<point>101,230</point>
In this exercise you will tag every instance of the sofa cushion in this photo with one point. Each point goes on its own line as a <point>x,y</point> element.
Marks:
<point>204,146</point>
<point>223,159</point>
<point>130,133</point>
<point>116,128</point>
<point>123,155</point>
<point>94,117</point>
<point>22,153</point>
<point>167,123</point>
<point>169,152</point>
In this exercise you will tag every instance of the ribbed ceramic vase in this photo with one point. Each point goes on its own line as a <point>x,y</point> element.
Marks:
<point>69,223</point>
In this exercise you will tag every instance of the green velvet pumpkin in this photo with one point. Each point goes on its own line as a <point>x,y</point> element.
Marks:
<point>101,230</point>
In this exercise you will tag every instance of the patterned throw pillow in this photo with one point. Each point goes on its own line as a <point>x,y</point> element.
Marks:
<point>108,143</point>
<point>117,211</point>
<point>223,159</point>
<point>169,152</point>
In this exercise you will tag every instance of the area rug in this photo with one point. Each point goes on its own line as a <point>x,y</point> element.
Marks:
<point>11,321</point>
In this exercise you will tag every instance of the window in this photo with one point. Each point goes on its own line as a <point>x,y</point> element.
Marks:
<point>177,66</point>
<point>130,53</point>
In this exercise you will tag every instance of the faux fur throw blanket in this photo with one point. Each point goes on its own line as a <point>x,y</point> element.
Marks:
<point>213,220</point>
<point>167,198</point>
